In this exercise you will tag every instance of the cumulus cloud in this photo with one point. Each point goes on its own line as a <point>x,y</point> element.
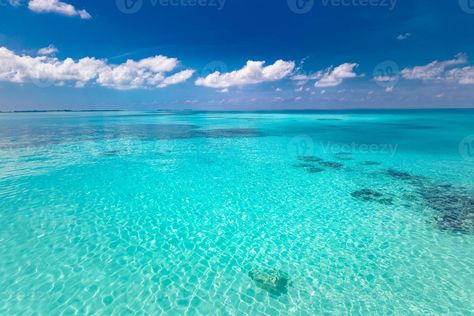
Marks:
<point>302,79</point>
<point>252,73</point>
<point>146,73</point>
<point>56,6</point>
<point>50,50</point>
<point>463,75</point>
<point>179,77</point>
<point>435,70</point>
<point>335,76</point>
<point>403,36</point>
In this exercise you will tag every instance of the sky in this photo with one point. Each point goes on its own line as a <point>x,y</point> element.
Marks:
<point>235,54</point>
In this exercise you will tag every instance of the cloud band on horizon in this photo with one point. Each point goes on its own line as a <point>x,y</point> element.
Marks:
<point>145,73</point>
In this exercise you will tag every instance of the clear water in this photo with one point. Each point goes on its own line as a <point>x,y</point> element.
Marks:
<point>148,213</point>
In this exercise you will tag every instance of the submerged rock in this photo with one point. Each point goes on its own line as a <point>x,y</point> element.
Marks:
<point>303,165</point>
<point>330,164</point>
<point>344,156</point>
<point>368,195</point>
<point>454,208</point>
<point>370,163</point>
<point>314,170</point>
<point>229,133</point>
<point>400,174</point>
<point>112,153</point>
<point>309,158</point>
<point>273,281</point>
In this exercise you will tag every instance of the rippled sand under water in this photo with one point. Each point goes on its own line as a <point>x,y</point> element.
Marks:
<point>236,213</point>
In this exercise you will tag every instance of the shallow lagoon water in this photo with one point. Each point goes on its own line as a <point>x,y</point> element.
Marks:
<point>349,213</point>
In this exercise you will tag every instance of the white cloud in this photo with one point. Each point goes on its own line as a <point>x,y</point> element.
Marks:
<point>56,6</point>
<point>330,77</point>
<point>179,77</point>
<point>303,78</point>
<point>385,79</point>
<point>403,36</point>
<point>463,75</point>
<point>145,73</point>
<point>252,73</point>
<point>335,76</point>
<point>50,50</point>
<point>434,70</point>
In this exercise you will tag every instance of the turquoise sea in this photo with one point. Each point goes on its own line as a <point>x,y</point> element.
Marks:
<point>203,213</point>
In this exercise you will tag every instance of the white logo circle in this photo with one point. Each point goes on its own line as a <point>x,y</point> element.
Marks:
<point>387,74</point>
<point>129,6</point>
<point>43,82</point>
<point>212,67</point>
<point>302,145</point>
<point>467,6</point>
<point>301,6</point>
<point>466,148</point>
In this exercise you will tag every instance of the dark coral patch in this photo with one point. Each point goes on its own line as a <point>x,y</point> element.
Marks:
<point>273,281</point>
<point>454,208</point>
<point>400,174</point>
<point>309,158</point>
<point>229,133</point>
<point>303,165</point>
<point>344,156</point>
<point>330,164</point>
<point>368,195</point>
<point>112,153</point>
<point>370,163</point>
<point>314,170</point>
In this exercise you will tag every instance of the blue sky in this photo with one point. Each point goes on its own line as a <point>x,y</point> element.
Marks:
<point>235,54</point>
